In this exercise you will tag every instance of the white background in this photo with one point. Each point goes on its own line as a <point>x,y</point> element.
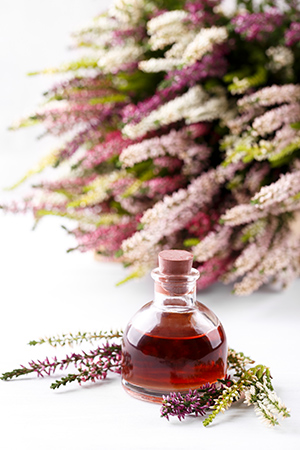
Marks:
<point>45,291</point>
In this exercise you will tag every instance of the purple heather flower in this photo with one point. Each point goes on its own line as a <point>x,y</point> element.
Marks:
<point>257,26</point>
<point>292,35</point>
<point>202,12</point>
<point>211,65</point>
<point>118,37</point>
<point>195,402</point>
<point>61,120</point>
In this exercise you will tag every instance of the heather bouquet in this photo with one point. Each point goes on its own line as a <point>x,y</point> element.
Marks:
<point>181,127</point>
<point>244,381</point>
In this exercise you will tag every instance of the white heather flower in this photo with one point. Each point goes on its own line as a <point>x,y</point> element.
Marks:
<point>130,12</point>
<point>283,251</point>
<point>170,112</point>
<point>242,214</point>
<point>240,123</point>
<point>167,18</point>
<point>105,23</point>
<point>271,95</point>
<point>119,55</point>
<point>287,186</point>
<point>273,119</point>
<point>213,243</point>
<point>203,43</point>
<point>166,28</point>
<point>177,49</point>
<point>174,211</point>
<point>212,109</point>
<point>280,57</point>
<point>178,143</point>
<point>159,64</point>
<point>253,253</point>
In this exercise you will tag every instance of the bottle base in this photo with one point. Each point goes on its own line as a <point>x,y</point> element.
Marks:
<point>148,395</point>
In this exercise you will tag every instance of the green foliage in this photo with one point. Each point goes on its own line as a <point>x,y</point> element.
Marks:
<point>191,242</point>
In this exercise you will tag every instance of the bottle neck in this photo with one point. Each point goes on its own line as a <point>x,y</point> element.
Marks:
<point>175,292</point>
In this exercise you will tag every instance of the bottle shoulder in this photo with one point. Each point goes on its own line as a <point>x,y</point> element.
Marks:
<point>152,319</point>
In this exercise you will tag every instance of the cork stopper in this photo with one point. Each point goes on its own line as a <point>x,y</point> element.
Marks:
<point>175,262</point>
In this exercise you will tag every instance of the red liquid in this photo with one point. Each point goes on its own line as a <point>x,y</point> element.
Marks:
<point>173,358</point>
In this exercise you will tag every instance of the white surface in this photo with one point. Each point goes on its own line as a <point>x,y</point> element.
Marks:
<point>45,291</point>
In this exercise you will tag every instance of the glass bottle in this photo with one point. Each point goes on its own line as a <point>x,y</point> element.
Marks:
<point>173,343</point>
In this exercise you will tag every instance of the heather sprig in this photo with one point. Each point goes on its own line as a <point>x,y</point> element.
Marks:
<point>252,383</point>
<point>195,402</point>
<point>104,358</point>
<point>77,338</point>
<point>256,386</point>
<point>92,368</point>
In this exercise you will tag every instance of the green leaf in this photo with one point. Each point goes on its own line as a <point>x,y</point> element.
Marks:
<point>295,125</point>
<point>119,253</point>
<point>191,242</point>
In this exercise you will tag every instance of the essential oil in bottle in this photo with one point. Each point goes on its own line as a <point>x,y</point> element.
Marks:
<point>173,343</point>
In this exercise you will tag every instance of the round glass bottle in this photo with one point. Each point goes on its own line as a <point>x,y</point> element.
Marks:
<point>173,343</point>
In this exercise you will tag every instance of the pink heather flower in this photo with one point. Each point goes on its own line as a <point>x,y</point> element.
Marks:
<point>287,186</point>
<point>61,120</point>
<point>113,145</point>
<point>177,143</point>
<point>283,254</point>
<point>73,185</point>
<point>79,84</point>
<point>271,95</point>
<point>213,244</point>
<point>35,205</point>
<point>273,119</point>
<point>134,113</point>
<point>202,13</point>
<point>212,65</point>
<point>91,133</point>
<point>119,36</point>
<point>253,253</point>
<point>284,137</point>
<point>255,176</point>
<point>85,95</point>
<point>119,186</point>
<point>202,223</point>
<point>212,270</point>
<point>292,35</point>
<point>126,67</point>
<point>242,122</point>
<point>257,26</point>
<point>107,239</point>
<point>175,211</point>
<point>172,164</point>
<point>240,214</point>
<point>158,187</point>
